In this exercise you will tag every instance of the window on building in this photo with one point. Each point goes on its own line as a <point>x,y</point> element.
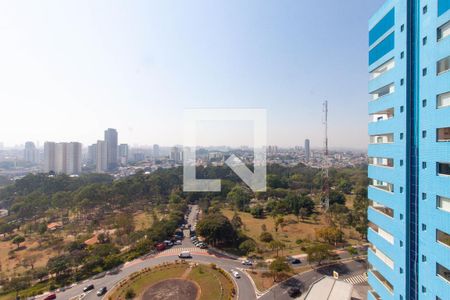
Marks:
<point>382,115</point>
<point>443,272</point>
<point>402,81</point>
<point>382,138</point>
<point>424,196</point>
<point>424,133</point>
<point>402,54</point>
<point>443,169</point>
<point>443,100</point>
<point>424,258</point>
<point>401,135</point>
<point>383,185</point>
<point>424,41</point>
<point>381,162</point>
<point>443,203</point>
<point>390,64</point>
<point>424,165</point>
<point>402,28</point>
<point>443,31</point>
<point>424,72</point>
<point>383,91</point>
<point>443,65</point>
<point>381,208</point>
<point>443,134</point>
<point>424,227</point>
<point>442,237</point>
<point>424,102</point>
<point>402,108</point>
<point>425,9</point>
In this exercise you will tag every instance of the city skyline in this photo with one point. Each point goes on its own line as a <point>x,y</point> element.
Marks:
<point>159,60</point>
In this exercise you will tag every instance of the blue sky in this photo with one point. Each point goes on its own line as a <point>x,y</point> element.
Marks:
<point>70,69</point>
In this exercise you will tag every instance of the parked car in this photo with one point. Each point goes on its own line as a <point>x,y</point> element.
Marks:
<point>102,291</point>
<point>160,246</point>
<point>88,288</point>
<point>50,297</point>
<point>178,242</point>
<point>294,292</point>
<point>203,246</point>
<point>295,261</point>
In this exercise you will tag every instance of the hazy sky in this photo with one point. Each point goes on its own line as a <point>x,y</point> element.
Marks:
<point>70,69</point>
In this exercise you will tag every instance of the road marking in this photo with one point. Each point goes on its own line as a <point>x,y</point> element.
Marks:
<point>357,279</point>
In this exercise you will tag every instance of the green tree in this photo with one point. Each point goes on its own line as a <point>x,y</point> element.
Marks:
<point>337,197</point>
<point>130,294</point>
<point>240,197</point>
<point>277,246</point>
<point>278,266</point>
<point>236,221</point>
<point>318,253</point>
<point>247,246</point>
<point>257,211</point>
<point>330,234</point>
<point>265,237</point>
<point>18,240</point>
<point>216,228</point>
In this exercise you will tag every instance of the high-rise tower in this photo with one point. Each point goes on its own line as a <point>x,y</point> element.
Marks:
<point>409,151</point>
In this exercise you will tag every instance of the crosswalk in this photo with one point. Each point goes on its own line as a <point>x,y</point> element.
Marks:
<point>356,279</point>
<point>177,250</point>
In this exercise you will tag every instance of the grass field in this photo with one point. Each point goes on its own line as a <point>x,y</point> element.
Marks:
<point>213,284</point>
<point>293,231</point>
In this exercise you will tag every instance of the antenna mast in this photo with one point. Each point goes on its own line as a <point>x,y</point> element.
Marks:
<point>325,163</point>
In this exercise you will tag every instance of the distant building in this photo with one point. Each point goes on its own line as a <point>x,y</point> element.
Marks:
<point>31,154</point>
<point>307,150</point>
<point>176,154</point>
<point>49,156</point>
<point>62,158</point>
<point>111,148</point>
<point>2,146</point>
<point>156,153</point>
<point>92,154</point>
<point>123,154</point>
<point>101,160</point>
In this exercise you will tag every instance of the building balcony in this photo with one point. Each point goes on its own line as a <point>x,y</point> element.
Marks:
<point>383,91</point>
<point>443,134</point>
<point>381,185</point>
<point>381,233</point>
<point>387,138</point>
<point>382,280</point>
<point>382,209</point>
<point>443,169</point>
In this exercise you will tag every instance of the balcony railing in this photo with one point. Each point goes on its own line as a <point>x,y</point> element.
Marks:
<point>384,234</point>
<point>443,203</point>
<point>443,169</point>
<point>443,65</point>
<point>387,138</point>
<point>443,31</point>
<point>382,280</point>
<point>381,208</point>
<point>382,185</point>
<point>381,92</point>
<point>390,64</point>
<point>381,162</point>
<point>442,237</point>
<point>382,115</point>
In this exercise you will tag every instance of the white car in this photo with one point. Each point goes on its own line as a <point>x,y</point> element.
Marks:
<point>236,274</point>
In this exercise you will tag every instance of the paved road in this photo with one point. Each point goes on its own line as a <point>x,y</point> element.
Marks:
<point>304,280</point>
<point>245,288</point>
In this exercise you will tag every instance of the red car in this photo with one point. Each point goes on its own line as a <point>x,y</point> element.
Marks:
<point>50,297</point>
<point>161,246</point>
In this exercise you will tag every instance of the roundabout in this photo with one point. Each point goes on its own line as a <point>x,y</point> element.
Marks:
<point>180,280</point>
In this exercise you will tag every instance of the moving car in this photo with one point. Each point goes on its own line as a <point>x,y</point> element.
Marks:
<point>88,288</point>
<point>294,292</point>
<point>236,274</point>
<point>50,297</point>
<point>184,254</point>
<point>247,263</point>
<point>102,291</point>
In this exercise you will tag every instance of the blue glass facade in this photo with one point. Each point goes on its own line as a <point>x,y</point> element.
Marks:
<point>409,193</point>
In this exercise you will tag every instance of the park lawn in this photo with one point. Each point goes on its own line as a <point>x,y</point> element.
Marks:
<point>210,282</point>
<point>289,234</point>
<point>264,279</point>
<point>10,296</point>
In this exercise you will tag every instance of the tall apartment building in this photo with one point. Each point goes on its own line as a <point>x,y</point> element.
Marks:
<point>409,151</point>
<point>123,154</point>
<point>102,154</point>
<point>92,154</point>
<point>62,158</point>
<point>30,153</point>
<point>307,150</point>
<point>111,148</point>
<point>156,153</point>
